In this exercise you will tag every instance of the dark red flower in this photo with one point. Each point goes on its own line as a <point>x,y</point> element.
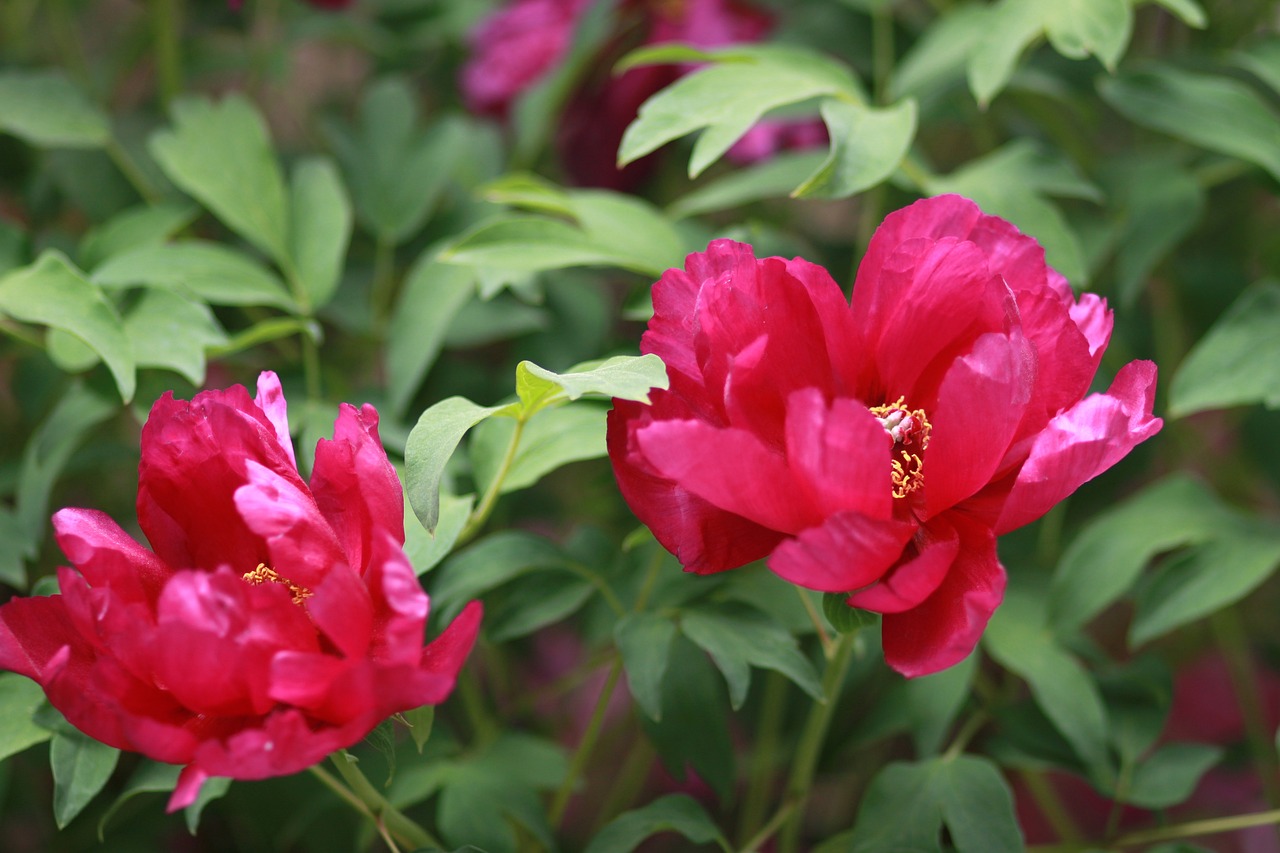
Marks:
<point>876,448</point>
<point>273,623</point>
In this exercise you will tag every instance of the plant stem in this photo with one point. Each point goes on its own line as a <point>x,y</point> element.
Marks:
<point>819,624</point>
<point>129,168</point>
<point>383,288</point>
<point>767,831</point>
<point>650,578</point>
<point>881,51</point>
<point>811,740</point>
<point>1209,826</point>
<point>389,820</point>
<point>166,18</point>
<point>966,733</point>
<point>588,742</point>
<point>764,754</point>
<point>1050,805</point>
<point>1230,635</point>
<point>480,514</point>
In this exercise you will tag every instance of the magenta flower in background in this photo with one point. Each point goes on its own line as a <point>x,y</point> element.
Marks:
<point>272,623</point>
<point>878,448</point>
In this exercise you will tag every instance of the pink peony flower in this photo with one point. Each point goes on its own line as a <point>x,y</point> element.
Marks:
<point>273,623</point>
<point>878,448</point>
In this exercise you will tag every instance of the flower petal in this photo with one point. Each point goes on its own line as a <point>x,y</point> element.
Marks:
<point>444,656</point>
<point>270,399</point>
<point>923,567</point>
<point>300,544</point>
<point>1081,443</point>
<point>943,630</point>
<point>846,552</point>
<point>109,557</point>
<point>840,454</point>
<point>190,781</point>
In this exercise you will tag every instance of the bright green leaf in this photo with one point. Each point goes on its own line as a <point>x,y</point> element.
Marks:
<point>939,56</point>
<point>81,766</point>
<point>46,109</point>
<point>867,144</point>
<point>209,271</point>
<point>774,178</point>
<point>426,550</point>
<point>671,813</point>
<point>321,227</point>
<point>623,376</point>
<point>52,292</point>
<point>431,442</point>
<point>1011,26</point>
<point>1078,28</point>
<point>421,721</point>
<point>144,225</point>
<point>526,243</point>
<point>1237,362</point>
<point>432,295</point>
<point>551,439</point>
<point>644,640</point>
<point>171,331</point>
<point>221,155</point>
<point>19,698</point>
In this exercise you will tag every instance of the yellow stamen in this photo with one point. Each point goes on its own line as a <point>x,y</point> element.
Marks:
<point>264,574</point>
<point>907,428</point>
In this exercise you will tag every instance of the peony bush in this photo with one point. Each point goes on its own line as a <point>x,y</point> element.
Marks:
<point>710,424</point>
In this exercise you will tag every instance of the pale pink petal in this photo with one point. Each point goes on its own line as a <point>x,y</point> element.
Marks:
<point>107,556</point>
<point>1094,320</point>
<point>190,781</point>
<point>270,400</point>
<point>846,552</point>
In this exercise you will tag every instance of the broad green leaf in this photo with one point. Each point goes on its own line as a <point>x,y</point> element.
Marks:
<point>738,637</point>
<point>623,376</point>
<point>1079,28</point>
<point>1169,775</point>
<point>933,702</point>
<point>724,100</point>
<point>629,226</point>
<point>533,244</point>
<point>19,698</point>
<point>484,321</point>
<point>1107,556</point>
<point>52,292</point>
<point>489,563</point>
<point>150,777</point>
<point>671,813</point>
<point>906,805</point>
<point>552,438</point>
<point>1020,641</point>
<point>843,618</point>
<point>774,178</point>
<point>644,640</point>
<point>171,331</point>
<point>1206,579</point>
<point>145,225</point>
<point>221,155</point>
<point>420,721</point>
<point>209,271</point>
<point>1011,26</point>
<point>939,56</point>
<point>1138,696</point>
<point>432,295</point>
<point>320,228</point>
<point>81,766</point>
<point>426,550</point>
<point>529,192</point>
<point>46,109</point>
<point>1191,13</point>
<point>533,601</point>
<point>1212,111</point>
<point>1237,362</point>
<point>1161,204</point>
<point>1263,59</point>
<point>431,442</point>
<point>867,144</point>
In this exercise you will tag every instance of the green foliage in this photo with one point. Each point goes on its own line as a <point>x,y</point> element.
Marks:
<point>81,766</point>
<point>672,813</point>
<point>46,109</point>
<point>1235,363</point>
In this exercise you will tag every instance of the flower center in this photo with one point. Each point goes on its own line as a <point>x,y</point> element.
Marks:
<point>265,574</point>
<point>909,429</point>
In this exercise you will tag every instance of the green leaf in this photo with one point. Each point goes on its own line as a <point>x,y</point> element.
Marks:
<point>432,295</point>
<point>421,721</point>
<point>867,144</point>
<point>1078,28</point>
<point>214,788</point>
<point>906,806</point>
<point>1019,640</point>
<point>1212,111</point>
<point>144,225</point>
<point>934,700</point>
<point>1169,775</point>
<point>209,271</point>
<point>150,777</point>
<point>1263,59</point>
<point>320,227</point>
<point>671,813</point>
<point>534,601</point>
<point>630,227</point>
<point>19,698</point>
<point>644,640</point>
<point>52,292</point>
<point>1206,579</point>
<point>1108,555</point>
<point>1189,11</point>
<point>725,99</point>
<point>535,244</point>
<point>843,618</point>
<point>221,155</point>
<point>529,192</point>
<point>81,766</point>
<point>623,376</point>
<point>551,439</point>
<point>1011,26</point>
<point>488,564</point>
<point>939,56</point>
<point>46,109</point>
<point>776,177</point>
<point>1161,203</point>
<point>431,442</point>
<point>171,331</point>
<point>738,637</point>
<point>426,550</point>
<point>1237,362</point>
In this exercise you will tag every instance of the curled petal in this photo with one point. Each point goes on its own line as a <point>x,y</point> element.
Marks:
<point>300,544</point>
<point>917,575</point>
<point>840,453</point>
<point>270,399</point>
<point>109,557</point>
<point>847,551</point>
<point>190,781</point>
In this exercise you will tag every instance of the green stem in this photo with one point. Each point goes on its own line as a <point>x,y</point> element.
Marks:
<point>131,171</point>
<point>766,832</point>
<point>166,19</point>
<point>588,742</point>
<point>484,729</point>
<point>966,733</point>
<point>606,591</point>
<point>386,816</point>
<point>64,33</point>
<point>811,740</point>
<point>1231,638</point>
<point>650,578</point>
<point>819,623</point>
<point>383,289</point>
<point>1209,826</point>
<point>1050,805</point>
<point>481,513</point>
<point>764,753</point>
<point>628,782</point>
<point>882,51</point>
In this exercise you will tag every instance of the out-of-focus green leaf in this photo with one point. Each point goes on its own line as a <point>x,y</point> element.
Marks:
<point>150,777</point>
<point>867,144</point>
<point>171,331</point>
<point>529,243</point>
<point>774,178</point>
<point>221,155</point>
<point>1080,28</point>
<point>52,292</point>
<point>214,788</point>
<point>46,109</point>
<point>81,766</point>
<point>671,813</point>
<point>145,225</point>
<point>644,640</point>
<point>1138,696</point>
<point>1020,641</point>
<point>529,192</point>
<point>209,271</point>
<point>1191,13</point>
<point>19,698</point>
<point>431,296</point>
<point>934,700</point>
<point>725,99</point>
<point>1237,362</point>
<point>1215,112</point>
<point>906,806</point>
<point>738,637</point>
<point>421,721</point>
<point>551,438</point>
<point>1161,203</point>
<point>489,563</point>
<point>426,550</point>
<point>534,601</point>
<point>939,56</point>
<point>1011,26</point>
<point>1108,555</point>
<point>320,227</point>
<point>628,226</point>
<point>1169,775</point>
<point>843,618</point>
<point>431,442</point>
<point>1263,59</point>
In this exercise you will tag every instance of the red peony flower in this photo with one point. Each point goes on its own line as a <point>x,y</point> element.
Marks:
<point>274,623</point>
<point>876,448</point>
